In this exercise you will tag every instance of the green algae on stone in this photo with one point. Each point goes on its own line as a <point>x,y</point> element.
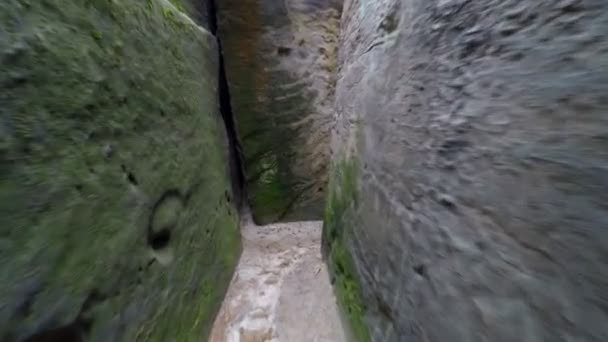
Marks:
<point>106,106</point>
<point>340,209</point>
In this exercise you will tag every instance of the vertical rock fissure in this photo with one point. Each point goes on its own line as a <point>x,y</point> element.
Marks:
<point>235,153</point>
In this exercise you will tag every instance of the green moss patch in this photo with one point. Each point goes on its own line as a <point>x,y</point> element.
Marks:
<point>341,204</point>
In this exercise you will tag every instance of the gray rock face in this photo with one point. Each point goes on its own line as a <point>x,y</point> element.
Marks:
<point>280,60</point>
<point>470,174</point>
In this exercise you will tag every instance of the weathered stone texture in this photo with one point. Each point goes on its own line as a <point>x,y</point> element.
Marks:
<point>471,183</point>
<point>116,220</point>
<point>280,60</point>
<point>198,10</point>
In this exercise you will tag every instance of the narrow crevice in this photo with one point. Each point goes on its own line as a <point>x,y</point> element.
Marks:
<point>235,152</point>
<point>212,16</point>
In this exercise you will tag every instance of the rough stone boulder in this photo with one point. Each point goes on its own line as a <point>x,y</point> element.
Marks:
<point>280,60</point>
<point>469,186</point>
<point>116,216</point>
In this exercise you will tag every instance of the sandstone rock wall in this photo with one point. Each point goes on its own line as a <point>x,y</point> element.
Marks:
<point>280,60</point>
<point>116,219</point>
<point>468,191</point>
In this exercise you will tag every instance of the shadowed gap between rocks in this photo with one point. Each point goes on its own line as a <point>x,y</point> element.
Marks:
<point>237,174</point>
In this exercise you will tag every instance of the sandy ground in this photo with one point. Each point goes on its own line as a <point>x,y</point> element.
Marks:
<point>281,290</point>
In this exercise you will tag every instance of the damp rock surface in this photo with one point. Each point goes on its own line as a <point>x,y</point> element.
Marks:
<point>116,219</point>
<point>281,58</point>
<point>467,199</point>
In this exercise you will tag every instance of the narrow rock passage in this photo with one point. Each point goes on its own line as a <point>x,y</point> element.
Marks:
<point>281,289</point>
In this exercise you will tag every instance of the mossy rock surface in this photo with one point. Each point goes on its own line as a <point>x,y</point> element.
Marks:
<point>340,216</point>
<point>116,219</point>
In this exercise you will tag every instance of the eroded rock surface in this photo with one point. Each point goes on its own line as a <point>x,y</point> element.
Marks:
<point>116,219</point>
<point>468,192</point>
<point>280,60</point>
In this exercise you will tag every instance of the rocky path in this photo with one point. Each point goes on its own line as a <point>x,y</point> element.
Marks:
<point>280,290</point>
